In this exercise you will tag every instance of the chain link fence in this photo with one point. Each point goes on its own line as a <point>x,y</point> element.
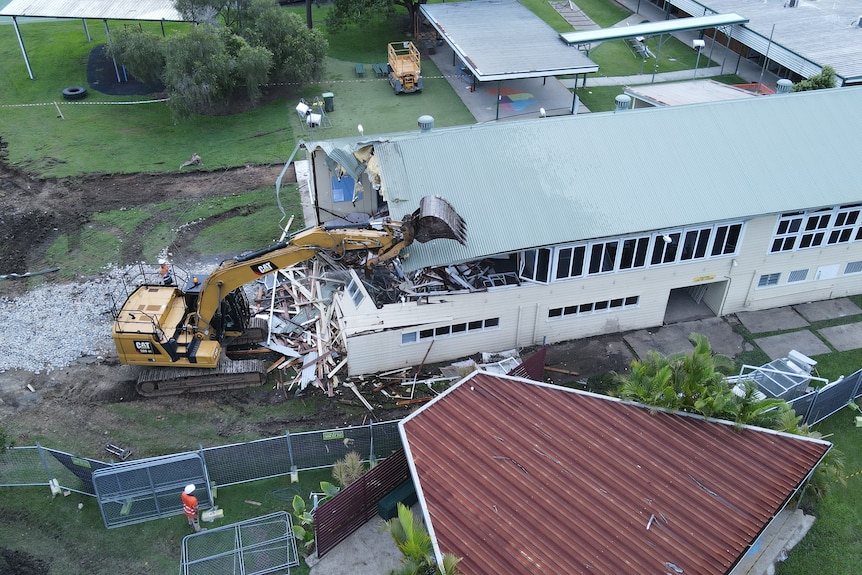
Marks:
<point>222,466</point>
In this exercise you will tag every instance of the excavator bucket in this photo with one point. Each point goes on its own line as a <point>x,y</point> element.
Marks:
<point>435,219</point>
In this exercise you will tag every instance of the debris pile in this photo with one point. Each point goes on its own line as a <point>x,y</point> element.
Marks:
<point>306,331</point>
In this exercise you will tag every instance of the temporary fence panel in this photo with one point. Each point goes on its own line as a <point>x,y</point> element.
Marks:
<point>38,466</point>
<point>148,489</point>
<point>241,462</point>
<point>834,397</point>
<point>80,467</point>
<point>317,449</point>
<point>253,547</point>
<point>354,505</point>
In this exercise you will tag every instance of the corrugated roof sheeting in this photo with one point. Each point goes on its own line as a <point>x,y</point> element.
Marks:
<point>520,477</point>
<point>653,28</point>
<point>825,33</point>
<point>95,9</point>
<point>548,181</point>
<point>499,39</point>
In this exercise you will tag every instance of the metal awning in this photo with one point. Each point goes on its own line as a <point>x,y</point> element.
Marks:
<point>504,40</point>
<point>144,10</point>
<point>653,28</point>
<point>153,10</point>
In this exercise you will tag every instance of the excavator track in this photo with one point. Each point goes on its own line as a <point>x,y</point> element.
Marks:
<point>163,381</point>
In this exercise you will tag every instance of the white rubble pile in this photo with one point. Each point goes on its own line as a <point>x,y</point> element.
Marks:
<point>57,324</point>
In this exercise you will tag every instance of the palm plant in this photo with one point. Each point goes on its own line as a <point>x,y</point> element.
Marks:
<point>414,542</point>
<point>694,383</point>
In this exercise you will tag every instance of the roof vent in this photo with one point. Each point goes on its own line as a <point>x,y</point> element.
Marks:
<point>783,86</point>
<point>621,103</point>
<point>426,123</point>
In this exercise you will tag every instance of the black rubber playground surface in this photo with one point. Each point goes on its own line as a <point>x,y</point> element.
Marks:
<point>102,76</point>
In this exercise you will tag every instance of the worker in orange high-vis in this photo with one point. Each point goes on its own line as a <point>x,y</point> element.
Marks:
<point>190,507</point>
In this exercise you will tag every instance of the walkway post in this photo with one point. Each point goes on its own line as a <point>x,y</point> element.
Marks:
<point>21,43</point>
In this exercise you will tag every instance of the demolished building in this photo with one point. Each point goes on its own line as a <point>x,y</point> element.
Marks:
<point>590,224</point>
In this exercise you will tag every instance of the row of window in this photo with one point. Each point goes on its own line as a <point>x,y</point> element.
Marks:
<point>768,280</point>
<point>450,330</point>
<point>594,307</point>
<point>814,228</point>
<point>564,262</point>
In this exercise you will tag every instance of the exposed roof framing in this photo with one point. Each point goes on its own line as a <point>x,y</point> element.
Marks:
<point>521,477</point>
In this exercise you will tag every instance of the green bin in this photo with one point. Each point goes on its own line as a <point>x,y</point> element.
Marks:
<point>328,102</point>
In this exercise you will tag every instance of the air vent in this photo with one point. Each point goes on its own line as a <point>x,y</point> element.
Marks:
<point>622,103</point>
<point>426,123</point>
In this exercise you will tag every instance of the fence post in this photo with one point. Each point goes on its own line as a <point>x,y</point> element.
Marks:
<point>211,495</point>
<point>294,472</point>
<point>372,461</point>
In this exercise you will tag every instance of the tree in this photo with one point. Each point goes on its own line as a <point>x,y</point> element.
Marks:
<point>345,13</point>
<point>695,383</point>
<point>139,51</point>
<point>825,79</point>
<point>298,53</point>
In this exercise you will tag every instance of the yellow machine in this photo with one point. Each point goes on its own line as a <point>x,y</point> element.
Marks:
<point>175,328</point>
<point>404,69</point>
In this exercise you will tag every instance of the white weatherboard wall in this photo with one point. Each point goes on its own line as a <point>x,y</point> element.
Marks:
<point>374,336</point>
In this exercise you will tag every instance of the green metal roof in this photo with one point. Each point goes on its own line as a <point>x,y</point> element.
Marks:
<point>540,182</point>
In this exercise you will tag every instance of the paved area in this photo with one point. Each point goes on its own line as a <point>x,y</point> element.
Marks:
<point>769,320</point>
<point>832,309</point>
<point>804,341</point>
<point>843,337</point>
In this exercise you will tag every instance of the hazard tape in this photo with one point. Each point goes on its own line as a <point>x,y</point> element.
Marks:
<point>81,103</point>
<point>854,474</point>
<point>65,102</point>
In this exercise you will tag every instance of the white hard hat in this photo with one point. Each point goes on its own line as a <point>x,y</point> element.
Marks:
<point>162,261</point>
<point>189,488</point>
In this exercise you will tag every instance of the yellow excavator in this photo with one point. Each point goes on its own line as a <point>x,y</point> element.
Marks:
<point>182,333</point>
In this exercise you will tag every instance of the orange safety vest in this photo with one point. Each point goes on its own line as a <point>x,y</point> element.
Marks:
<point>190,505</point>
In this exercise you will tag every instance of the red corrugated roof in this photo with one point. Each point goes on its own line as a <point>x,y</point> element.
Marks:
<point>521,477</point>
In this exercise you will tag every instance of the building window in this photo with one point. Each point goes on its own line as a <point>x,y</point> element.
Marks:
<point>603,257</point>
<point>726,239</point>
<point>846,220</point>
<point>768,280</point>
<point>694,244</point>
<point>853,268</point>
<point>634,253</point>
<point>815,228</point>
<point>408,337</point>
<point>570,262</point>
<point>593,307</point>
<point>797,276</point>
<point>664,252</point>
<point>535,265</point>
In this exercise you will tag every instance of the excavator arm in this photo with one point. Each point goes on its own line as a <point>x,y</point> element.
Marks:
<point>304,245</point>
